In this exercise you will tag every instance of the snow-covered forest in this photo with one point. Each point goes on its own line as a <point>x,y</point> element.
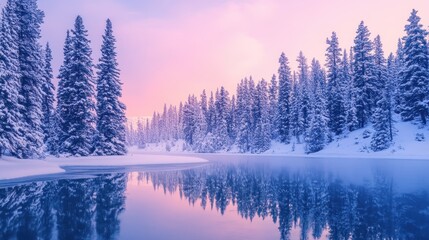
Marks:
<point>313,105</point>
<point>88,117</point>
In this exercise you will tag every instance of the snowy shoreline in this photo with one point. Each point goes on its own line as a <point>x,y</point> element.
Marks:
<point>12,168</point>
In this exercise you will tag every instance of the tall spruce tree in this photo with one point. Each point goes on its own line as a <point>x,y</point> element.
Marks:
<point>48,103</point>
<point>382,114</point>
<point>77,111</point>
<point>349,103</point>
<point>363,76</point>
<point>222,105</point>
<point>110,110</point>
<point>11,125</point>
<point>29,22</point>
<point>304,89</point>
<point>284,105</point>
<point>244,115</point>
<point>398,73</point>
<point>273,106</point>
<point>317,135</point>
<point>261,141</point>
<point>336,103</point>
<point>64,99</point>
<point>415,79</point>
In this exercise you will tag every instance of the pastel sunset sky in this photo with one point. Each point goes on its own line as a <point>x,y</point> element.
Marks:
<point>168,49</point>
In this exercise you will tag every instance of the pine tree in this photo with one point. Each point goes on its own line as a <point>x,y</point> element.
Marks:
<point>110,111</point>
<point>381,137</point>
<point>305,101</point>
<point>77,94</point>
<point>398,73</point>
<point>261,140</point>
<point>382,114</point>
<point>390,91</point>
<point>141,138</point>
<point>273,109</point>
<point>363,77</point>
<point>380,69</point>
<point>64,99</point>
<point>11,126</point>
<point>29,22</point>
<point>336,103</point>
<point>415,81</point>
<point>349,94</point>
<point>211,114</point>
<point>244,116</point>
<point>295,113</point>
<point>284,105</point>
<point>317,134</point>
<point>48,103</point>
<point>222,105</point>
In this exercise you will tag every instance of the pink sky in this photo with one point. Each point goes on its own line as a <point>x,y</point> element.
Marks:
<point>169,49</point>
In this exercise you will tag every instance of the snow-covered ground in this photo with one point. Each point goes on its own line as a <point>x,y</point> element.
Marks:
<point>11,168</point>
<point>352,145</point>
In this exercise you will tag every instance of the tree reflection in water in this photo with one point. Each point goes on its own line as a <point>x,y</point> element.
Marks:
<point>63,209</point>
<point>313,201</point>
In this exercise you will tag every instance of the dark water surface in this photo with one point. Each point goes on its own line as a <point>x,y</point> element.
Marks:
<point>231,198</point>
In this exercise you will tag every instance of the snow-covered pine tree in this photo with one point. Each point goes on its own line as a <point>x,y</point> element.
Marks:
<point>398,71</point>
<point>391,90</point>
<point>244,116</point>
<point>232,120</point>
<point>317,135</point>
<point>261,141</point>
<point>415,79</point>
<point>211,114</point>
<point>11,120</point>
<point>29,22</point>
<point>382,118</point>
<point>222,105</point>
<point>141,138</point>
<point>317,77</point>
<point>336,102</point>
<point>189,120</point>
<point>110,110</point>
<point>381,138</point>
<point>63,97</point>
<point>380,69</point>
<point>363,76</point>
<point>295,113</point>
<point>284,105</point>
<point>349,103</point>
<point>273,107</point>
<point>204,105</point>
<point>305,101</point>
<point>78,107</point>
<point>48,103</point>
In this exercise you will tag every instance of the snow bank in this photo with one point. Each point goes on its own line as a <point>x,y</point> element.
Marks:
<point>16,168</point>
<point>352,145</point>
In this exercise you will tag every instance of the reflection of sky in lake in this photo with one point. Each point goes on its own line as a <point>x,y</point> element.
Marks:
<point>242,199</point>
<point>174,218</point>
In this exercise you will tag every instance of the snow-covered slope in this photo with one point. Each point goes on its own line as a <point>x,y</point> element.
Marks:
<point>354,144</point>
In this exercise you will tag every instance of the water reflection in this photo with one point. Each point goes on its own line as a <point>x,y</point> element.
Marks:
<point>63,209</point>
<point>313,201</point>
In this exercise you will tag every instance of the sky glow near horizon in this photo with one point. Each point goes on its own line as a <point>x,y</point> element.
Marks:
<point>169,49</point>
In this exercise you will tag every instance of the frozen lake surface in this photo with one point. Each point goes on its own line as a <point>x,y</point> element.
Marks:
<point>232,197</point>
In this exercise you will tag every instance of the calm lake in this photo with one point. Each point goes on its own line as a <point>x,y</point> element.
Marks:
<point>231,197</point>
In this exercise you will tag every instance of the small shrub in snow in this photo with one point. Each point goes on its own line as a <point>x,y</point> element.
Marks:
<point>420,137</point>
<point>168,147</point>
<point>366,134</point>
